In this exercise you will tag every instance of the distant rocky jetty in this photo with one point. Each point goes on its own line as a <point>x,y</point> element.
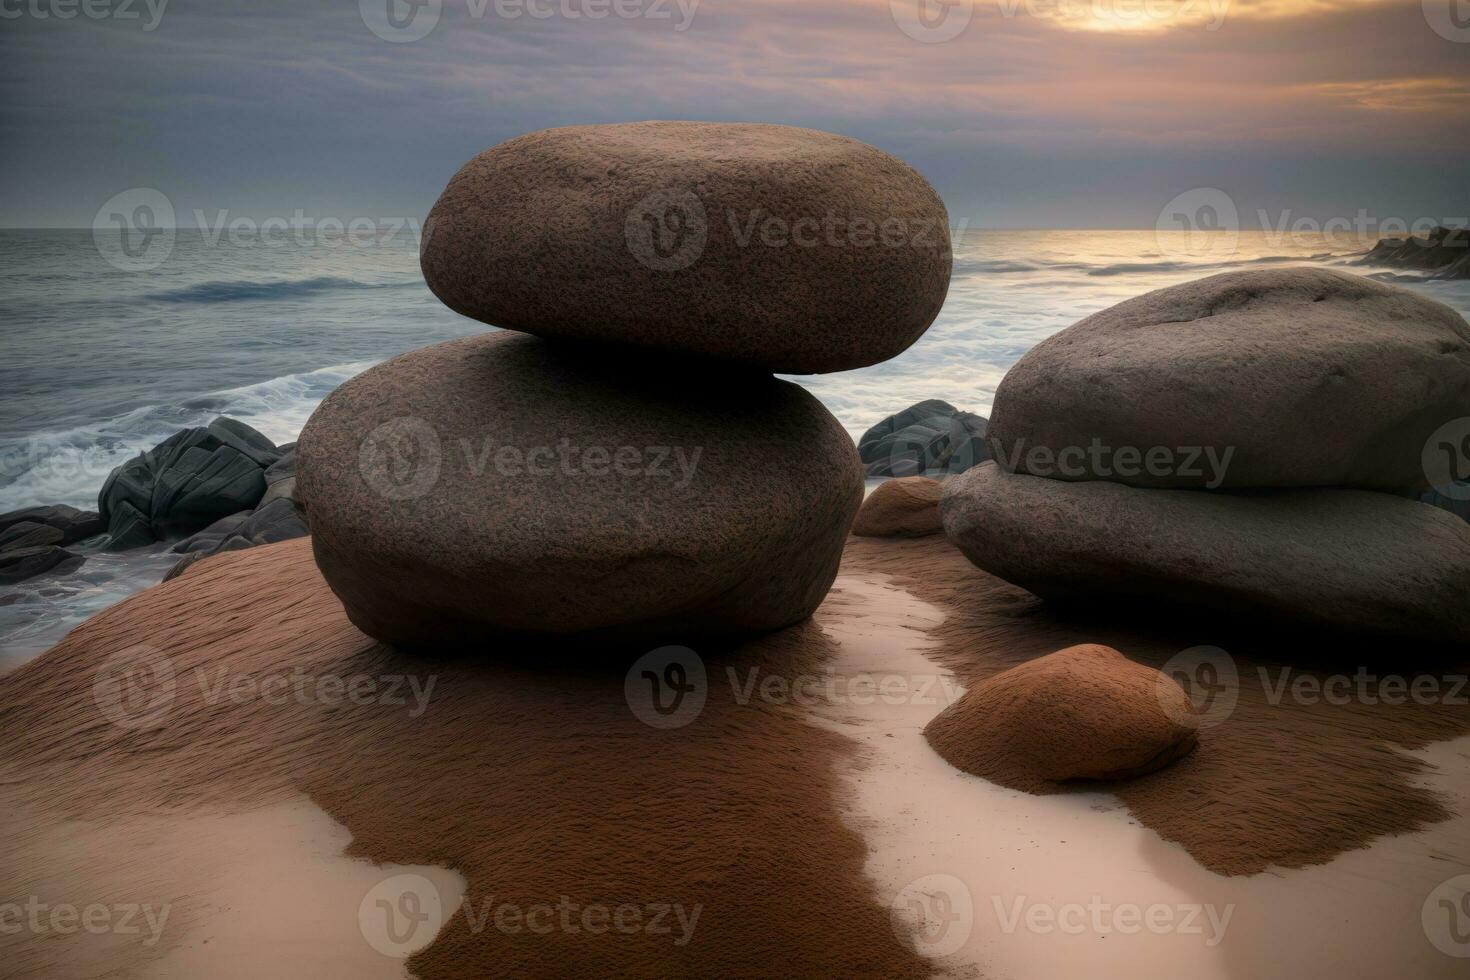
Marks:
<point>1444,253</point>
<point>632,470</point>
<point>1294,392</point>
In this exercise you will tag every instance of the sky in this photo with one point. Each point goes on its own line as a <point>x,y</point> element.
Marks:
<point>1022,113</point>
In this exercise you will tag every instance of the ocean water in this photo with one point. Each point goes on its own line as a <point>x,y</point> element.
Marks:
<point>105,353</point>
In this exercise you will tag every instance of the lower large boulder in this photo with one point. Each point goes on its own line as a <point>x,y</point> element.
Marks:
<point>1346,559</point>
<point>505,484</point>
<point>1086,712</point>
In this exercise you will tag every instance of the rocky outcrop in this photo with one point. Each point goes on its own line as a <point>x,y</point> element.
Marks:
<point>19,564</point>
<point>1266,378</point>
<point>1444,253</point>
<point>274,520</point>
<point>784,249</point>
<point>907,507</point>
<point>1351,560</point>
<point>505,484</point>
<point>1086,712</point>
<point>185,483</point>
<point>930,438</point>
<point>75,525</point>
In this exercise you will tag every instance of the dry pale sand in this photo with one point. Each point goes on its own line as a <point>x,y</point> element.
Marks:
<point>775,833</point>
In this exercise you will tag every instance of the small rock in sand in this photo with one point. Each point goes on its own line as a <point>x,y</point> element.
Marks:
<point>906,507</point>
<point>1086,712</point>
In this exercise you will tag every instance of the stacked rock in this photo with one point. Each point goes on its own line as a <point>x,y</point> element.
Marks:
<point>621,461</point>
<point>1242,442</point>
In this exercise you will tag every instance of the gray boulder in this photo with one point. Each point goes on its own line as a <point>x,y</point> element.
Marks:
<point>274,520</point>
<point>930,438</point>
<point>1265,378</point>
<point>74,524</point>
<point>185,483</point>
<point>1351,560</point>
<point>504,484</point>
<point>29,535</point>
<point>789,250</point>
<point>19,564</point>
<point>280,478</point>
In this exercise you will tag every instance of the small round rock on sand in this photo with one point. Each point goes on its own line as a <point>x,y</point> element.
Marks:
<point>1086,712</point>
<point>907,507</point>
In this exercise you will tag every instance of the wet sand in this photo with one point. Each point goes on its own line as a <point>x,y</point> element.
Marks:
<point>787,827</point>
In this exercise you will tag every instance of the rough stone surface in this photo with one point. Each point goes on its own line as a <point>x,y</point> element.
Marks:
<point>1309,377</point>
<point>906,507</point>
<point>792,250</point>
<point>19,564</point>
<point>185,483</point>
<point>1345,559</point>
<point>931,437</point>
<point>501,483</point>
<point>274,520</point>
<point>74,524</point>
<point>1086,712</point>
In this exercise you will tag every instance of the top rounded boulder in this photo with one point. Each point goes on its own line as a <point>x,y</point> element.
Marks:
<point>786,249</point>
<point>1264,378</point>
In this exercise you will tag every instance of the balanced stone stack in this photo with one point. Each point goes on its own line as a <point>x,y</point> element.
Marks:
<point>620,462</point>
<point>1244,443</point>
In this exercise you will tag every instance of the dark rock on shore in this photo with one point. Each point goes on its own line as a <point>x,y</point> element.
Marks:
<point>1264,378</point>
<point>505,484</point>
<point>786,249</point>
<point>274,520</point>
<point>280,477</point>
<point>74,524</point>
<point>1352,560</point>
<point>189,480</point>
<point>929,438</point>
<point>1086,712</point>
<point>29,535</point>
<point>1444,253</point>
<point>19,564</point>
